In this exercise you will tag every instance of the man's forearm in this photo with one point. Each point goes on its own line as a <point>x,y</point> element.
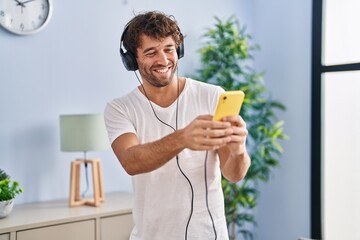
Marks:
<point>147,157</point>
<point>236,167</point>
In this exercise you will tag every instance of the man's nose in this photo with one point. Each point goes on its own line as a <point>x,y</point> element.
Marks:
<point>162,58</point>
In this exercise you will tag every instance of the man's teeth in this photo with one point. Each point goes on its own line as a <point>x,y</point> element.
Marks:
<point>162,70</point>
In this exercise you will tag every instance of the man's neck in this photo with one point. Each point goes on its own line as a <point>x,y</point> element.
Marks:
<point>164,96</point>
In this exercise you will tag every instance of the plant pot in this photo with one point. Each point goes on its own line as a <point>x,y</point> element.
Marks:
<point>6,207</point>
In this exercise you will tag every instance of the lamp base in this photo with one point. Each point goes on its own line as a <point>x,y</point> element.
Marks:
<point>75,197</point>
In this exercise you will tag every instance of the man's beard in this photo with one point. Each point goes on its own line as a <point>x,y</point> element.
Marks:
<point>155,81</point>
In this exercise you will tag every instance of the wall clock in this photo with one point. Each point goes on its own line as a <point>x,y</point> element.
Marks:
<point>24,17</point>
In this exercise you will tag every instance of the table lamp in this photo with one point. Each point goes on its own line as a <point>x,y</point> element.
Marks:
<point>84,132</point>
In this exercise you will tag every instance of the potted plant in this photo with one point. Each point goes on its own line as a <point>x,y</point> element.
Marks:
<point>226,60</point>
<point>8,190</point>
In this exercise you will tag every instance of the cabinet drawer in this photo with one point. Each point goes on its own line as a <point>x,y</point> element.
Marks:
<point>84,230</point>
<point>116,227</point>
<point>5,236</point>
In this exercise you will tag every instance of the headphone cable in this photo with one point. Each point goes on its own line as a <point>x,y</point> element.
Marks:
<point>207,193</point>
<point>177,156</point>
<point>178,163</point>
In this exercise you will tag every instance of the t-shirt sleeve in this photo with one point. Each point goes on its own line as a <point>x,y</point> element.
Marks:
<point>117,120</point>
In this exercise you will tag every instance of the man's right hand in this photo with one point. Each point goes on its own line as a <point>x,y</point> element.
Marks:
<point>205,134</point>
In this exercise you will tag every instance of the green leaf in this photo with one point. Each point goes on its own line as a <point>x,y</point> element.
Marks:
<point>8,189</point>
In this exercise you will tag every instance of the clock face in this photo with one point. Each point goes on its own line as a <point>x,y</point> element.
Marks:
<point>25,16</point>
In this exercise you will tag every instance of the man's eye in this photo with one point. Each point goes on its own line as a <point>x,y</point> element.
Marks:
<point>150,54</point>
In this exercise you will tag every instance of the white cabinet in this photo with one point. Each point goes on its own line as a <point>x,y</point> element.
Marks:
<point>116,227</point>
<point>56,221</point>
<point>84,230</point>
<point>5,236</point>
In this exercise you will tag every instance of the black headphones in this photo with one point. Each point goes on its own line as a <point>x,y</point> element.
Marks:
<point>129,60</point>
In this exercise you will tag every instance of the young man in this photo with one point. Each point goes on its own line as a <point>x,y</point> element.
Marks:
<point>164,137</point>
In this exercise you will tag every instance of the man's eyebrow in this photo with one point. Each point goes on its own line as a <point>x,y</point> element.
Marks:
<point>169,45</point>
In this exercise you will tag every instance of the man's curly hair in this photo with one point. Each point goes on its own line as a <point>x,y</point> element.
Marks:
<point>153,24</point>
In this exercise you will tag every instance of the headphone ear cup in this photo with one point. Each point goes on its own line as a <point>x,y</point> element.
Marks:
<point>128,60</point>
<point>180,50</point>
<point>127,57</point>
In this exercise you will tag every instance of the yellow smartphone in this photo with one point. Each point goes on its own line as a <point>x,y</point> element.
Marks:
<point>229,104</point>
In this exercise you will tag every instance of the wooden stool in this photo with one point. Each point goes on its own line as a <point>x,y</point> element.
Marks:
<point>75,198</point>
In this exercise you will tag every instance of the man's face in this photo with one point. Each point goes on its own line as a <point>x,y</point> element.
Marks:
<point>157,60</point>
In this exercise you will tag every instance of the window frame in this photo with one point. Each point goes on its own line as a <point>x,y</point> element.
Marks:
<point>316,115</point>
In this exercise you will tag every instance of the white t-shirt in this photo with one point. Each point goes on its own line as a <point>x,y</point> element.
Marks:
<point>163,197</point>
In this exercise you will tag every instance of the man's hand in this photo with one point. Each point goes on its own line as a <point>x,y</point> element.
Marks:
<point>237,145</point>
<point>205,134</point>
<point>234,159</point>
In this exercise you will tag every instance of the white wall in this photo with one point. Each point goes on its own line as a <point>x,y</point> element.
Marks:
<point>283,29</point>
<point>73,66</point>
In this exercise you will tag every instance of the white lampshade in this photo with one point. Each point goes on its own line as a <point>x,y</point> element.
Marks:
<point>83,132</point>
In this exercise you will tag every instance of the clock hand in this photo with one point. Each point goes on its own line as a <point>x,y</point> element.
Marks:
<point>27,1</point>
<point>19,3</point>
